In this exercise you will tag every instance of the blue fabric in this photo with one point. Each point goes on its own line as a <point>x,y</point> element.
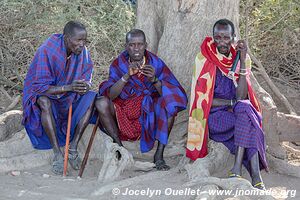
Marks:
<point>79,108</point>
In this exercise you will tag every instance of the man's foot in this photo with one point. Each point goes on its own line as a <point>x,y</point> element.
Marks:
<point>235,172</point>
<point>74,159</point>
<point>260,185</point>
<point>58,165</point>
<point>161,165</point>
<point>257,181</point>
<point>233,175</point>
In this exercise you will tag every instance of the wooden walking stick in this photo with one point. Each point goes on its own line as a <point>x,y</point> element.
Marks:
<point>67,141</point>
<point>88,149</point>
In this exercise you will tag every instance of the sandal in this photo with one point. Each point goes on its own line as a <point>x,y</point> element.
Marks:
<point>233,175</point>
<point>260,186</point>
<point>161,165</point>
<point>74,159</point>
<point>58,166</point>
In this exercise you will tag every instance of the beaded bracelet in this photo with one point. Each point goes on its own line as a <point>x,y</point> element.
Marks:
<point>244,74</point>
<point>232,102</point>
<point>123,79</point>
<point>155,80</point>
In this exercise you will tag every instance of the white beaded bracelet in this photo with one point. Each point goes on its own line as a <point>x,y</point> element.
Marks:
<point>244,74</point>
<point>123,80</point>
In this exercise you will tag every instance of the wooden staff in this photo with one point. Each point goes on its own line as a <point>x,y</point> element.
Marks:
<point>67,141</point>
<point>88,149</point>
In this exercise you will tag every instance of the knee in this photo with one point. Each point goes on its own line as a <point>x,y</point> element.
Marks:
<point>44,103</point>
<point>242,106</point>
<point>102,104</point>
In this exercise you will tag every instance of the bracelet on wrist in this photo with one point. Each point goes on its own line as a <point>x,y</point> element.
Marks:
<point>243,74</point>
<point>124,80</point>
<point>155,80</point>
<point>232,102</point>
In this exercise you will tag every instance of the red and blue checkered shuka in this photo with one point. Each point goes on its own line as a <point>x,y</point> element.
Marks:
<point>139,94</point>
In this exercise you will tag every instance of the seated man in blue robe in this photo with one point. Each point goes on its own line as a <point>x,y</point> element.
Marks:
<point>59,76</point>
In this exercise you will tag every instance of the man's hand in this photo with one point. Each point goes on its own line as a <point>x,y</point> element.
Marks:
<point>242,47</point>
<point>133,69</point>
<point>80,86</point>
<point>149,72</point>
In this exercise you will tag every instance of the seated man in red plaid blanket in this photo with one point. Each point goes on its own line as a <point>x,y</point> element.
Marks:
<point>141,98</point>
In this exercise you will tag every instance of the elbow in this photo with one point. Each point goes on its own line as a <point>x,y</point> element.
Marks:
<point>111,97</point>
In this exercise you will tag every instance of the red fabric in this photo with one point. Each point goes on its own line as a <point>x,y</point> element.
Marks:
<point>209,51</point>
<point>128,113</point>
<point>225,65</point>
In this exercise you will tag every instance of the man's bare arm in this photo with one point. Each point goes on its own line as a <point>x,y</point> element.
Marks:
<point>242,88</point>
<point>117,88</point>
<point>79,86</point>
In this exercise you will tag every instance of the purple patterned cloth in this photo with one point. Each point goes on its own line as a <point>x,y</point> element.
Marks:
<point>238,128</point>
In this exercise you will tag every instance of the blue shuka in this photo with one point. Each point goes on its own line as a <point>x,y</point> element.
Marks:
<point>50,67</point>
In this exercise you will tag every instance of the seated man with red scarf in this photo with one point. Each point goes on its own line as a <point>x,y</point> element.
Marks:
<point>141,98</point>
<point>224,105</point>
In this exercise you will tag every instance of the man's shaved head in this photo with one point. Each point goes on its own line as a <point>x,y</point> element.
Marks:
<point>70,27</point>
<point>224,22</point>
<point>135,32</point>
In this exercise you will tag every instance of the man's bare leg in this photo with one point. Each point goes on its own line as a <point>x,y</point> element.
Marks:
<point>74,159</point>
<point>81,126</point>
<point>159,154</point>
<point>48,124</point>
<point>107,114</point>
<point>255,172</point>
<point>108,120</point>
<point>236,171</point>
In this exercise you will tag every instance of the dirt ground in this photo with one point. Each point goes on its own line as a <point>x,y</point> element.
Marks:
<point>40,183</point>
